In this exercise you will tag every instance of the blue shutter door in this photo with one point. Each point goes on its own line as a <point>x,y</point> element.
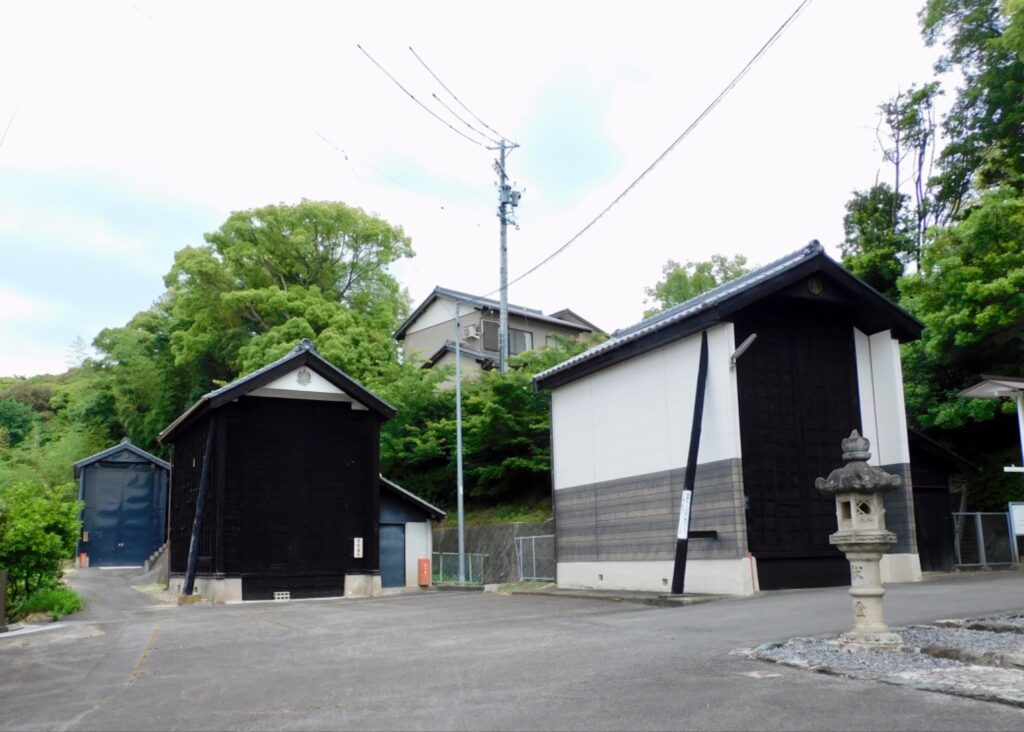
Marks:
<point>392,555</point>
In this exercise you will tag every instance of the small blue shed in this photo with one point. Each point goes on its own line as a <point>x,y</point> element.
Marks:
<point>124,519</point>
<point>406,534</point>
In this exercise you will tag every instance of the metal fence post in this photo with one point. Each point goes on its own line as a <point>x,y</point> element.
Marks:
<point>980,539</point>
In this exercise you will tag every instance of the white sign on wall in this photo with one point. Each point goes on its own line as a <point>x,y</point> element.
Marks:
<point>684,515</point>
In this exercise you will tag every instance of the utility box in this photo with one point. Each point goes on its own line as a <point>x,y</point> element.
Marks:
<point>424,573</point>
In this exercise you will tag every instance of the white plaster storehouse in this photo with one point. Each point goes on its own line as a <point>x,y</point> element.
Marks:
<point>825,360</point>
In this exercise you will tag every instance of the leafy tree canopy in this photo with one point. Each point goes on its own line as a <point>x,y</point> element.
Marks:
<point>970,295</point>
<point>879,241</point>
<point>985,127</point>
<point>239,287</point>
<point>16,421</point>
<point>682,282</point>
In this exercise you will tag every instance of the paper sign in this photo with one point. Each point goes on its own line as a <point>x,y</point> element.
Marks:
<point>684,515</point>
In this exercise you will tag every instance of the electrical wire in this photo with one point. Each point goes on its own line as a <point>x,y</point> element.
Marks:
<point>455,114</point>
<point>344,155</point>
<point>707,110</point>
<point>452,94</point>
<point>11,120</point>
<point>412,96</point>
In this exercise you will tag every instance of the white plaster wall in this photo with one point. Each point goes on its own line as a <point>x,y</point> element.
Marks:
<point>703,576</point>
<point>318,388</point>
<point>418,545</point>
<point>439,311</point>
<point>880,383</point>
<point>635,417</point>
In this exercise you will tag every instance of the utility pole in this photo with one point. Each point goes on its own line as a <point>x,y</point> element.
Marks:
<point>458,444</point>
<point>507,197</point>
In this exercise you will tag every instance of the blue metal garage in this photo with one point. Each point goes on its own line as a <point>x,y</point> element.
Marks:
<point>124,520</point>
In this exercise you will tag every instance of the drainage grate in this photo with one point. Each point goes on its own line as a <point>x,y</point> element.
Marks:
<point>286,595</point>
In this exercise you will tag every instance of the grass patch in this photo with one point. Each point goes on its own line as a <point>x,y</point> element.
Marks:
<point>532,513</point>
<point>53,601</point>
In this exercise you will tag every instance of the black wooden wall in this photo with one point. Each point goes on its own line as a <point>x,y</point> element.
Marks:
<point>187,464</point>
<point>797,399</point>
<point>293,482</point>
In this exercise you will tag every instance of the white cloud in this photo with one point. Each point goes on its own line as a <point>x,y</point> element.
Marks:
<point>16,307</point>
<point>64,229</point>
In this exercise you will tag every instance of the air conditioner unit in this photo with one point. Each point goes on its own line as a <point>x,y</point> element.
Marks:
<point>470,332</point>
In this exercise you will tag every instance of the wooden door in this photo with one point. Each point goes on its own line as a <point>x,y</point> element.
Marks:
<point>798,399</point>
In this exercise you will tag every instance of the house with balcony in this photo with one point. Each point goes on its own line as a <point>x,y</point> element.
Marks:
<point>428,334</point>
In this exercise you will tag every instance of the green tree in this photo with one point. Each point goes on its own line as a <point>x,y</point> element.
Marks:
<point>910,125</point>
<point>985,127</point>
<point>323,264</point>
<point>878,242</point>
<point>970,296</point>
<point>38,530</point>
<point>136,368</point>
<point>682,282</point>
<point>506,431</point>
<point>17,420</point>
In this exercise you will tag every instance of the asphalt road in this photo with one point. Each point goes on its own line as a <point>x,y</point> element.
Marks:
<point>450,660</point>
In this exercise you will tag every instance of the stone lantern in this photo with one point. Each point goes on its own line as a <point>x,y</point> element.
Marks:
<point>862,536</point>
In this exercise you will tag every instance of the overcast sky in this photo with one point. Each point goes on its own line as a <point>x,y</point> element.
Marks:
<point>135,127</point>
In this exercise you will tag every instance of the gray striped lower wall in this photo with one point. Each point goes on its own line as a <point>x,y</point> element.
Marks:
<point>899,511</point>
<point>635,518</point>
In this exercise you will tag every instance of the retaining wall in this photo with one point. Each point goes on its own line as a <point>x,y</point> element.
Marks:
<point>497,541</point>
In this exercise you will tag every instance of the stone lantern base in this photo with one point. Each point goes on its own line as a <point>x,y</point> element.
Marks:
<point>865,555</point>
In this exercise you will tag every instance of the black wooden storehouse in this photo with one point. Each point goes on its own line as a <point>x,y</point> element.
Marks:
<point>124,520</point>
<point>292,456</point>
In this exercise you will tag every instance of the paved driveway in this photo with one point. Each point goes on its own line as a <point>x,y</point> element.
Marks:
<point>448,660</point>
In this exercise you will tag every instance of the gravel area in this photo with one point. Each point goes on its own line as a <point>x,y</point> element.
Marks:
<point>958,657</point>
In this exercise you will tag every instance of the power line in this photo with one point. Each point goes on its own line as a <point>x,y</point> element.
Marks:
<point>707,110</point>
<point>380,172</point>
<point>11,120</point>
<point>344,155</point>
<point>413,97</point>
<point>455,114</point>
<point>452,94</point>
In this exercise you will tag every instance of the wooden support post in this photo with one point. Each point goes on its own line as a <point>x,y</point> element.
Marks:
<point>682,535</point>
<point>197,522</point>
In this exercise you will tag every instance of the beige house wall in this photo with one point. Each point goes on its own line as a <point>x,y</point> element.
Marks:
<point>421,343</point>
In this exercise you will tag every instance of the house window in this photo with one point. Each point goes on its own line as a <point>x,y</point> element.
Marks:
<point>490,336</point>
<point>518,340</point>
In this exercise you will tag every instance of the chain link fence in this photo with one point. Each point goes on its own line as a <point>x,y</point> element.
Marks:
<point>536,557</point>
<point>446,568</point>
<point>982,539</point>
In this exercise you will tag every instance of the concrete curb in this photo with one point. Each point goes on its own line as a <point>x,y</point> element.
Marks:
<point>651,600</point>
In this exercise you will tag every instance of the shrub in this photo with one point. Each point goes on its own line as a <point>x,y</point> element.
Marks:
<point>54,601</point>
<point>39,528</point>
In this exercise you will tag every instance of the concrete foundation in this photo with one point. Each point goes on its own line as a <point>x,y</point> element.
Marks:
<point>216,590</point>
<point>363,585</point>
<point>703,576</point>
